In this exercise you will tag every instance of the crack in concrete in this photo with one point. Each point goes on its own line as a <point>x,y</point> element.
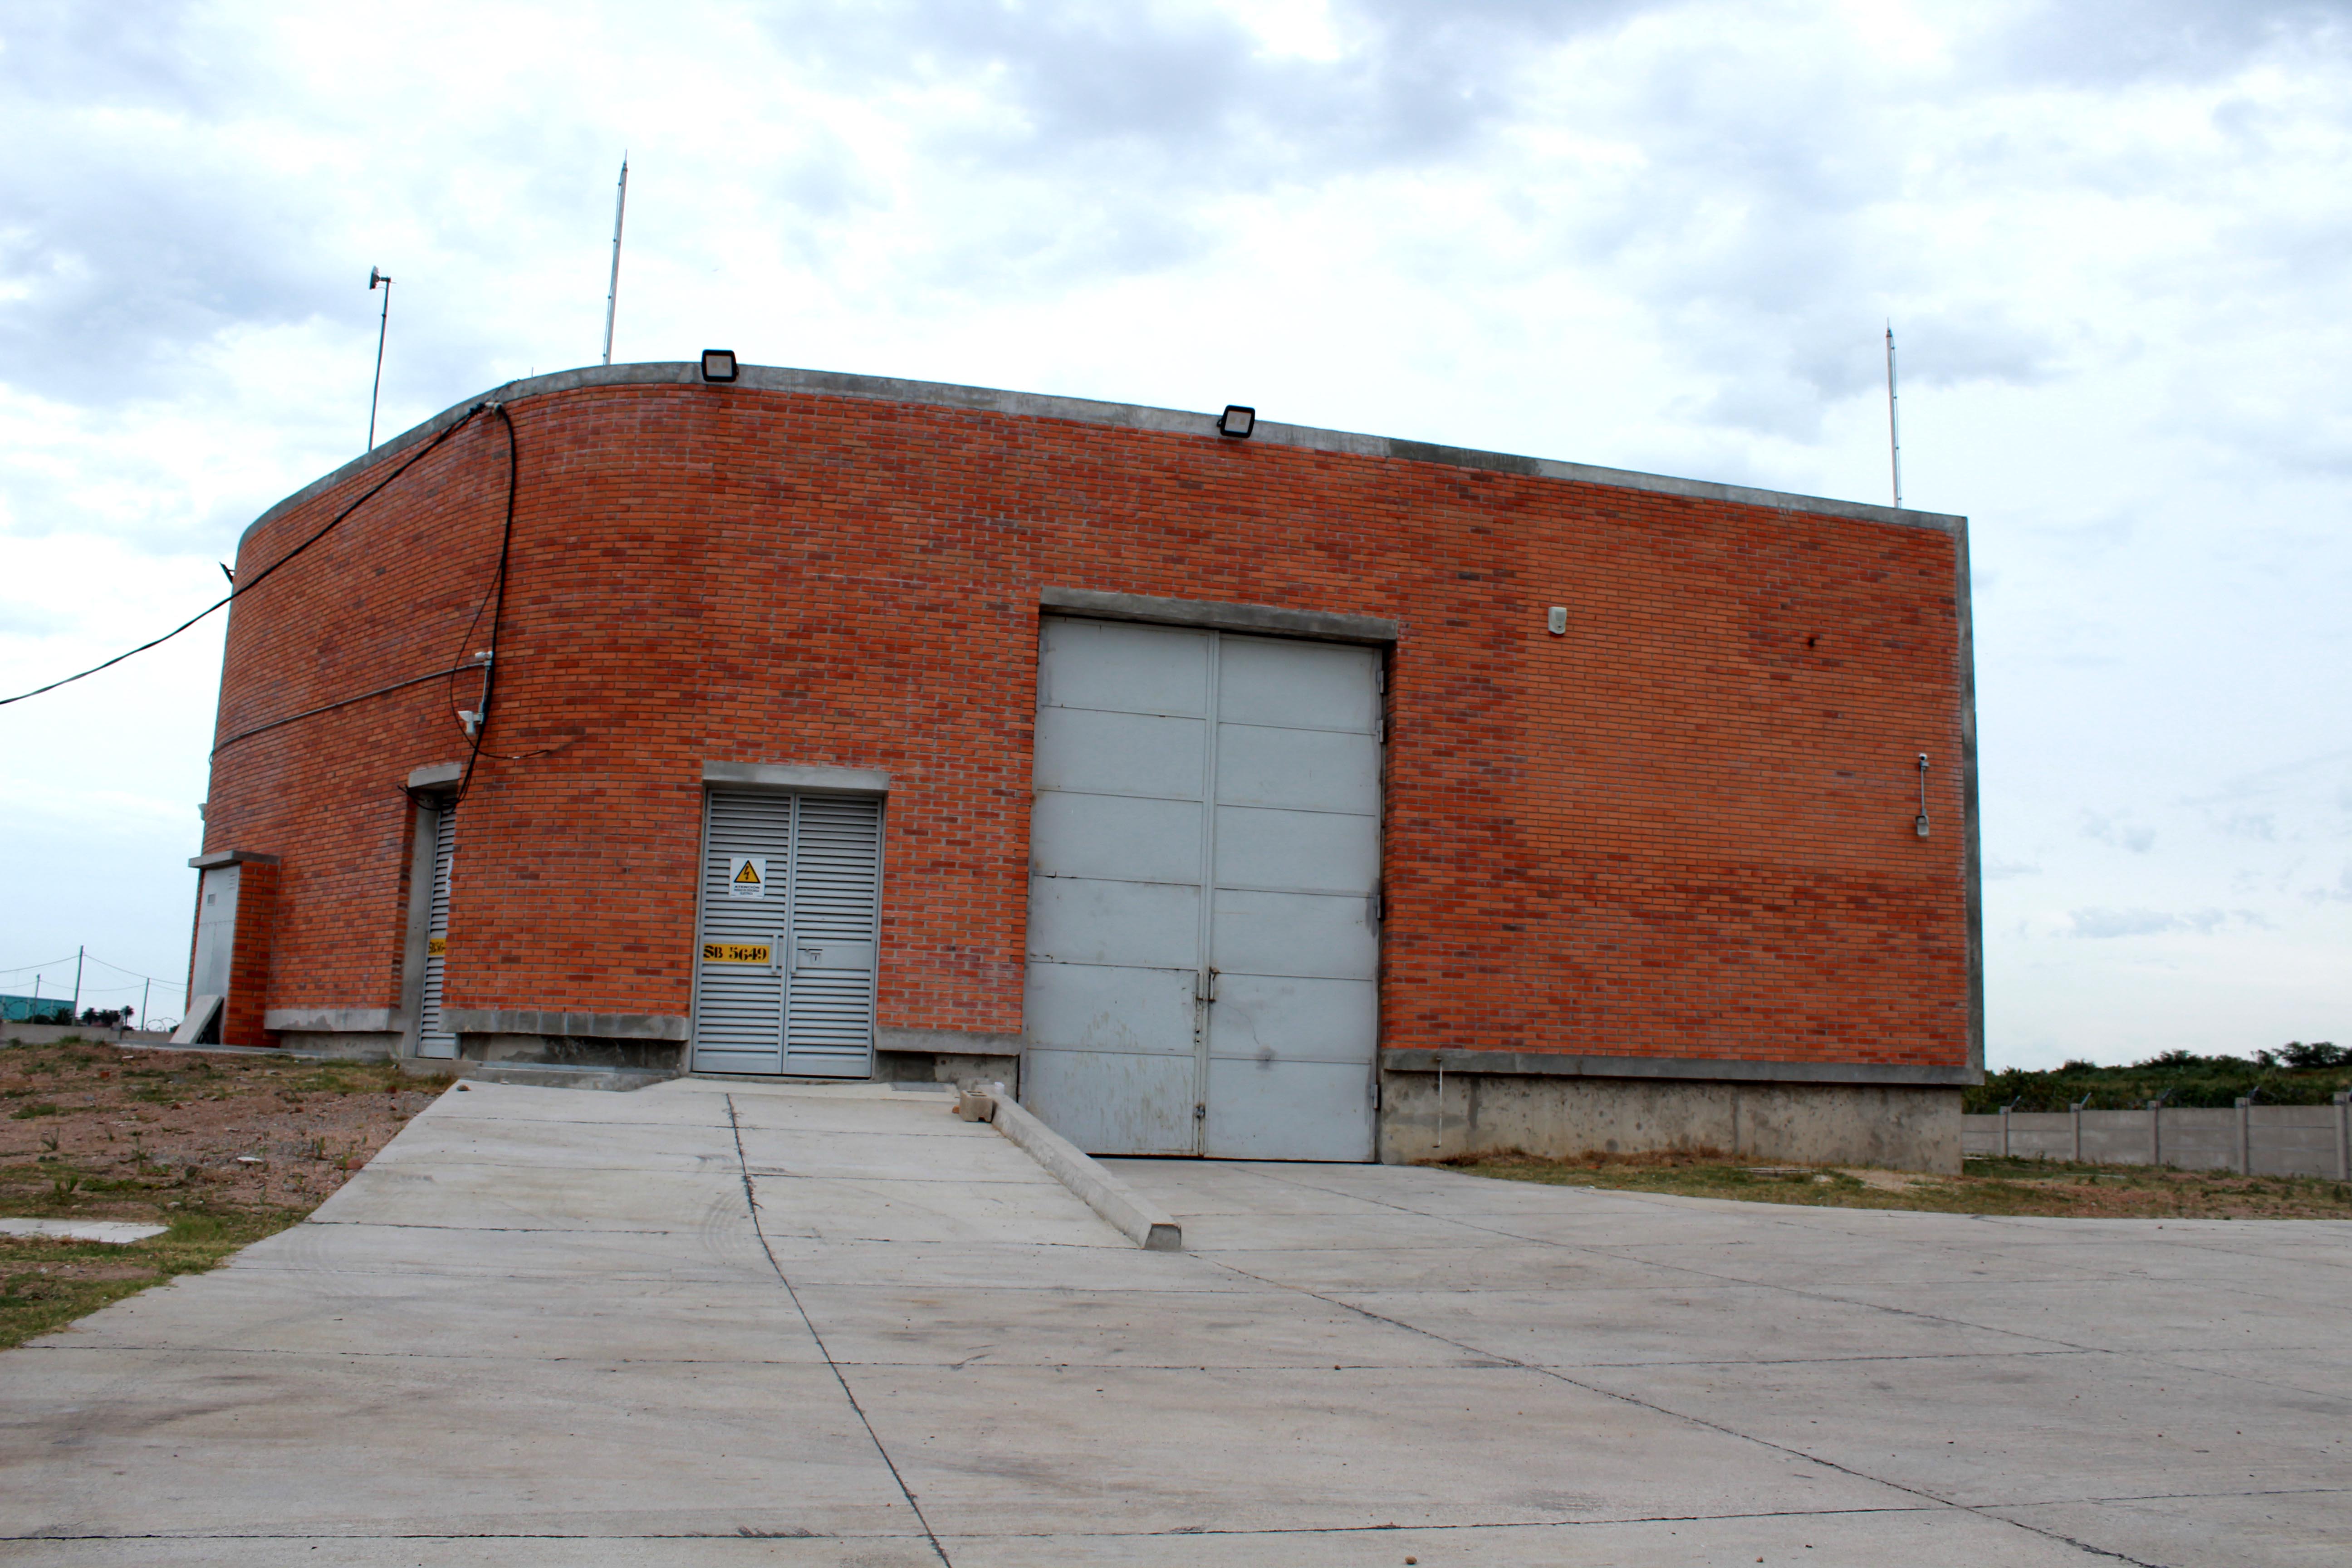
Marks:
<point>751,1201</point>
<point>1469,1349</point>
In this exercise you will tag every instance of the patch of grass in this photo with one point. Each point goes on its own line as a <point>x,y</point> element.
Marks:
<point>1984,1186</point>
<point>125,1134</point>
<point>45,1285</point>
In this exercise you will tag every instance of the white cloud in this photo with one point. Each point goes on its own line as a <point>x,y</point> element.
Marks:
<point>2136,837</point>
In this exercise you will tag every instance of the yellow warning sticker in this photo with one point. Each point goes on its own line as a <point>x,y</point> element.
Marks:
<point>737,952</point>
<point>436,946</point>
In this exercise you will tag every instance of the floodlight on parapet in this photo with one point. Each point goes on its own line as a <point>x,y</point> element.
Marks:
<point>1237,421</point>
<point>719,364</point>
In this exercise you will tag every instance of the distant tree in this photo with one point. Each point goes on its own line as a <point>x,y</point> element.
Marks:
<point>2318,1054</point>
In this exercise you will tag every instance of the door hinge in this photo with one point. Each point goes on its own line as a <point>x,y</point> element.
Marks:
<point>1204,985</point>
<point>1374,900</point>
<point>1381,732</point>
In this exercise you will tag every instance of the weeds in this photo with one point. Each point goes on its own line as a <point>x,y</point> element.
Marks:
<point>45,1284</point>
<point>1983,1186</point>
<point>83,1153</point>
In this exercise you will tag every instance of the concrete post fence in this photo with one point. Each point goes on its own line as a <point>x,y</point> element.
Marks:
<point>2250,1139</point>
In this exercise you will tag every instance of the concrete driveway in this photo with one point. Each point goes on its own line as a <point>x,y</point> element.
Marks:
<point>549,1327</point>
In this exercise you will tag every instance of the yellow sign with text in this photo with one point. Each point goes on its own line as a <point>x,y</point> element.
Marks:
<point>737,952</point>
<point>437,946</point>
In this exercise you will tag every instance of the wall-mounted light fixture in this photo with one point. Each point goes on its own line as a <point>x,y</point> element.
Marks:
<point>1237,421</point>
<point>1919,823</point>
<point>1556,622</point>
<point>719,364</point>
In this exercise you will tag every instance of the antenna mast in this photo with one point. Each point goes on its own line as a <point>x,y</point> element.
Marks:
<point>613,295</point>
<point>1894,432</point>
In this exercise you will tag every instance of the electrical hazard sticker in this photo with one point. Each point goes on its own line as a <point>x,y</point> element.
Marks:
<point>747,876</point>
<point>436,946</point>
<point>737,952</point>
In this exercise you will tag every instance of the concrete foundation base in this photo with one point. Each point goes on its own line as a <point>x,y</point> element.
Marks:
<point>667,1057</point>
<point>1899,1128</point>
<point>948,1066</point>
<point>340,1044</point>
<point>573,1051</point>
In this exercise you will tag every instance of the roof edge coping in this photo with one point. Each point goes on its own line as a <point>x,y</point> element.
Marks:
<point>1120,416</point>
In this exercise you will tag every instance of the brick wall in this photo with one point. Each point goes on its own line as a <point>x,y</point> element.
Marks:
<point>1683,829</point>
<point>250,955</point>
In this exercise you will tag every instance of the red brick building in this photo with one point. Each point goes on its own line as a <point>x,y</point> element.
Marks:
<point>1225,790</point>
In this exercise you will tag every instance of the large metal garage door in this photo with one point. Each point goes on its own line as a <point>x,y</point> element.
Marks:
<point>1204,852</point>
<point>791,902</point>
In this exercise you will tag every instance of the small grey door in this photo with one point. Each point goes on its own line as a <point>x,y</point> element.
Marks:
<point>208,972</point>
<point>432,1039</point>
<point>791,928</point>
<point>216,929</point>
<point>1204,844</point>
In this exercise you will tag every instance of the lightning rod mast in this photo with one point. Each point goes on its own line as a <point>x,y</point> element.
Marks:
<point>613,295</point>
<point>1894,432</point>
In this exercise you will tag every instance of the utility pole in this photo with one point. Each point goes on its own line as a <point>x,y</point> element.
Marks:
<point>1894,432</point>
<point>143,1002</point>
<point>76,1001</point>
<point>375,277</point>
<point>613,294</point>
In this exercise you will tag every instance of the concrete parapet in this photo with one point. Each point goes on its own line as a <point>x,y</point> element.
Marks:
<point>1899,1126</point>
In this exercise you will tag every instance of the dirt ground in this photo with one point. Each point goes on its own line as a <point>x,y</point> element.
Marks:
<point>1985,1186</point>
<point>223,1148</point>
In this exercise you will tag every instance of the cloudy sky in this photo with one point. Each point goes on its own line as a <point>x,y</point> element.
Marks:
<point>2113,239</point>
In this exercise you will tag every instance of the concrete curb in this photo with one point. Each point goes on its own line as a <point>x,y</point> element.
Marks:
<point>1138,1219</point>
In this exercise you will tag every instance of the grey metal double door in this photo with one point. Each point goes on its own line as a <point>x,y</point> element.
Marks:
<point>1203,940</point>
<point>791,928</point>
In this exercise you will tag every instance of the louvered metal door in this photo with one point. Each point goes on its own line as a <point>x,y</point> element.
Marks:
<point>791,928</point>
<point>1204,845</point>
<point>432,1039</point>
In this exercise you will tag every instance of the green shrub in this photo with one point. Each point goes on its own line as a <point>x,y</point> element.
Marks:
<point>2179,1078</point>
